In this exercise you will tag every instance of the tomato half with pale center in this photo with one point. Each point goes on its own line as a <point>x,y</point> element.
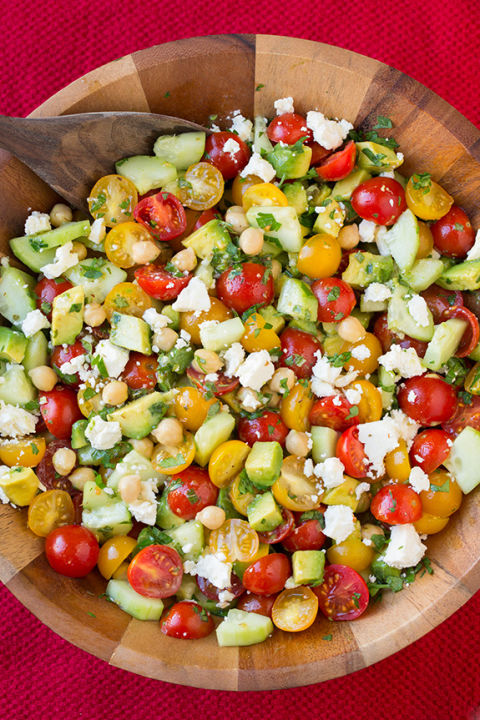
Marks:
<point>156,571</point>
<point>295,610</point>
<point>343,594</point>
<point>159,283</point>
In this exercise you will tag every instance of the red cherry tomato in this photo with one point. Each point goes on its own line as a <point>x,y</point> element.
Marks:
<point>268,574</point>
<point>429,449</point>
<point>159,283</point>
<point>352,453</point>
<point>213,593</point>
<point>206,216</point>
<point>307,535</point>
<point>471,336</point>
<point>59,409</point>
<point>156,571</point>
<point>453,234</point>
<point>47,290</point>
<point>388,338</point>
<point>427,399</point>
<point>72,550</point>
<point>339,165</point>
<point>192,490</point>
<point>187,620</point>
<point>336,299</point>
<point>245,285</point>
<point>228,162</point>
<point>343,594</point>
<point>380,200</point>
<point>46,472</point>
<point>162,215</point>
<point>467,413</point>
<point>140,372</point>
<point>440,300</point>
<point>61,355</point>
<point>334,412</point>
<point>280,532</point>
<point>260,604</point>
<point>266,428</point>
<point>319,153</point>
<point>221,386</point>
<point>289,128</point>
<point>299,351</point>
<point>396,504</point>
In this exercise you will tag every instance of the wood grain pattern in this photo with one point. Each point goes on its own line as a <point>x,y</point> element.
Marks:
<point>207,76</point>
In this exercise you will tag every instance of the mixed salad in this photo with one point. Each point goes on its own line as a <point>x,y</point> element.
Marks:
<point>248,386</point>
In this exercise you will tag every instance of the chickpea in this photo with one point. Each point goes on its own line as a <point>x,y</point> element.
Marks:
<point>276,268</point>
<point>94,315</point>
<point>165,339</point>
<point>64,461</point>
<point>129,487</point>
<point>370,529</point>
<point>80,476</point>
<point>79,249</point>
<point>185,260</point>
<point>236,218</point>
<point>169,432</point>
<point>251,241</point>
<point>143,447</point>
<point>115,392</point>
<point>275,400</point>
<point>144,252</point>
<point>211,517</point>
<point>351,330</point>
<point>348,237</point>
<point>60,214</point>
<point>206,361</point>
<point>297,443</point>
<point>43,377</point>
<point>283,380</point>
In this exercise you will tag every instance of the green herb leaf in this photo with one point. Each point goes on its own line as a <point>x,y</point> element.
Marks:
<point>422,181</point>
<point>383,122</point>
<point>266,220</point>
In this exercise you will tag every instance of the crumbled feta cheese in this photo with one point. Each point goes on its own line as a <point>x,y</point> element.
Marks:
<point>37,222</point>
<point>326,378</point>
<point>290,583</point>
<point>3,495</point>
<point>367,230</point>
<point>405,548</point>
<point>406,427</point>
<point>212,567</point>
<point>211,377</point>
<point>193,298</point>
<point>360,489</point>
<point>259,167</point>
<point>102,434</point>
<point>474,252</point>
<point>225,597</point>
<point>64,260</point>
<point>16,422</point>
<point>284,105</point>
<point>97,231</point>
<point>388,174</point>
<point>5,261</point>
<point>233,358</point>
<point>34,321</point>
<point>256,370</point>
<point>382,436</point>
<point>77,366</point>
<point>325,371</point>
<point>231,147</point>
<point>412,396</point>
<point>353,395</point>
<point>360,352</point>
<point>337,401</point>
<point>418,309</point>
<point>308,467</point>
<point>115,358</point>
<point>377,292</point>
<point>329,133</point>
<point>403,361</point>
<point>400,156</point>
<point>331,472</point>
<point>242,126</point>
<point>157,321</point>
<point>249,399</point>
<point>339,522</point>
<point>144,508</point>
<point>187,547</point>
<point>418,480</point>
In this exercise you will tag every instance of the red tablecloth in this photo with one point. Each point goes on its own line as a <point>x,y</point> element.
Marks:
<point>44,46</point>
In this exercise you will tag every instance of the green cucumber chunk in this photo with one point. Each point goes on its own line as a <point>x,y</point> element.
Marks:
<point>263,513</point>
<point>223,335</point>
<point>264,463</point>
<point>16,388</point>
<point>146,173</point>
<point>211,434</point>
<point>181,150</point>
<point>444,343</point>
<point>13,345</point>
<point>36,353</point>
<point>103,514</point>
<point>400,320</point>
<point>271,315</point>
<point>464,459</point>
<point>308,566</point>
<point>324,442</point>
<point>138,418</point>
<point>297,300</point>
<point>296,195</point>
<point>35,251</point>
<point>423,273</point>
<point>260,137</point>
<point>464,276</point>
<point>131,333</point>
<point>78,434</point>
<point>138,606</point>
<point>403,240</point>
<point>188,539</point>
<point>280,224</point>
<point>67,316</point>
<point>97,276</point>
<point>241,628</point>
<point>17,297</point>
<point>365,268</point>
<point>166,519</point>
<point>132,463</point>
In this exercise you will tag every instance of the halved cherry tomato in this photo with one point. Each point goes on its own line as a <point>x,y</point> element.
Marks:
<point>126,298</point>
<point>370,405</point>
<point>71,550</point>
<point>444,495</point>
<point>140,372</point>
<point>293,489</point>
<point>187,620</point>
<point>319,153</point>
<point>396,505</point>
<point>260,604</point>
<point>159,283</point>
<point>299,351</point>
<point>466,413</point>
<point>173,460</point>
<point>212,592</point>
<point>266,428</point>
<point>46,472</point>
<point>352,453</point>
<point>113,198</point>
<point>245,285</point>
<point>206,216</point>
<point>336,299</point>
<point>204,186</point>
<point>387,338</point>
<point>281,532</point>
<point>307,535</point>
<point>335,412</point>
<point>162,215</point>
<point>338,165</point>
<point>380,200</point>
<point>471,335</point>
<point>191,321</point>
<point>427,399</point>
<point>46,291</point>
<point>259,335</point>
<point>227,461</point>
<point>295,610</point>
<point>191,407</point>
<point>59,409</point>
<point>231,162</point>
<point>426,198</point>
<point>343,594</point>
<point>50,510</point>
<point>62,354</point>
<point>264,194</point>
<point>120,240</point>
<point>296,405</point>
<point>27,452</point>
<point>156,571</point>
<point>267,575</point>
<point>113,553</point>
<point>236,540</point>
<point>319,256</point>
<point>453,234</point>
<point>221,386</point>
<point>289,128</point>
<point>397,463</point>
<point>439,300</point>
<point>192,490</point>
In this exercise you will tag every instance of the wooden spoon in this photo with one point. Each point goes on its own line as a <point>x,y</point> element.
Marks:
<point>71,152</point>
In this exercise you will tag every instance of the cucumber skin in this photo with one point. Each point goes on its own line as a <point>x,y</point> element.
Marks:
<point>211,434</point>
<point>241,628</point>
<point>136,605</point>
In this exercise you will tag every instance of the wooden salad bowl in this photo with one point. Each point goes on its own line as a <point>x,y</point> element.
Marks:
<point>194,79</point>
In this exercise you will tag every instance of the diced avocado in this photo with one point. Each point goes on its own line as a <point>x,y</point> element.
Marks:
<point>146,172</point>
<point>291,161</point>
<point>297,300</point>
<point>324,442</point>
<point>330,218</point>
<point>316,194</point>
<point>475,354</point>
<point>308,566</point>
<point>264,463</point>
<point>138,606</point>
<point>343,189</point>
<point>17,297</point>
<point>365,268</point>
<point>211,236</point>
<point>13,345</point>
<point>403,240</point>
<point>130,332</point>
<point>166,519</point>
<point>343,494</point>
<point>223,501</point>
<point>36,353</point>
<point>263,513</point>
<point>222,336</point>
<point>97,276</point>
<point>296,195</point>
<point>423,273</point>
<point>174,316</point>
<point>271,315</point>
<point>103,514</point>
<point>35,251</point>
<point>181,150</point>
<point>78,434</point>
<point>279,224</point>
<point>138,418</point>
<point>444,343</point>
<point>187,589</point>
<point>401,321</point>
<point>214,431</point>
<point>67,316</point>
<point>20,485</point>
<point>464,459</point>
<point>333,344</point>
<point>376,158</point>
<point>191,536</point>
<point>307,326</point>
<point>16,388</point>
<point>241,628</point>
<point>464,276</point>
<point>260,137</point>
<point>132,463</point>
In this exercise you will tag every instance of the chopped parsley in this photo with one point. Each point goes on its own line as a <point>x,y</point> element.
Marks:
<point>422,181</point>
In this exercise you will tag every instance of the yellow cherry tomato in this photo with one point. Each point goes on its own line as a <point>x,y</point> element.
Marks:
<point>444,496</point>
<point>240,186</point>
<point>296,406</point>
<point>241,499</point>
<point>425,246</point>
<point>50,510</point>
<point>191,407</point>
<point>236,540</point>
<point>397,463</point>
<point>172,460</point>
<point>113,553</point>
<point>472,381</point>
<point>113,198</point>
<point>263,194</point>
<point>128,299</point>
<point>364,365</point>
<point>227,461</point>
<point>205,186</point>
<point>319,257</point>
<point>191,321</point>
<point>352,551</point>
<point>295,609</point>
<point>259,334</point>
<point>89,403</point>
<point>120,240</point>
<point>121,573</point>
<point>426,198</point>
<point>430,524</point>
<point>293,489</point>
<point>25,452</point>
<point>370,405</point>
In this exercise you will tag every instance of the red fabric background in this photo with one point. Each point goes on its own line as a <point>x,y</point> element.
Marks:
<point>44,46</point>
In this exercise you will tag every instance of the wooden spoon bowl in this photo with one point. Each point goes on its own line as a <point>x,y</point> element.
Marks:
<point>194,79</point>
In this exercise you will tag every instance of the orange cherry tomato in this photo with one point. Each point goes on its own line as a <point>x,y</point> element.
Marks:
<point>50,510</point>
<point>236,540</point>
<point>128,299</point>
<point>295,610</point>
<point>120,241</point>
<point>172,460</point>
<point>191,407</point>
<point>320,256</point>
<point>113,553</point>
<point>113,198</point>
<point>205,186</point>
<point>191,321</point>
<point>25,452</point>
